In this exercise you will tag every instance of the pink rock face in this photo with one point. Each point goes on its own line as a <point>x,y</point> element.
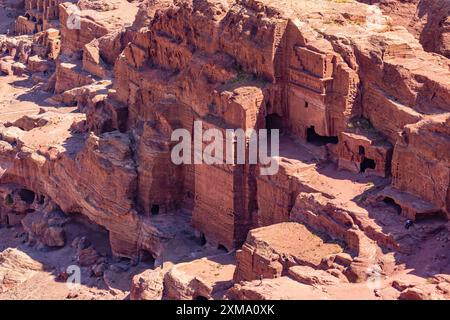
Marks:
<point>423,143</point>
<point>428,20</point>
<point>362,106</point>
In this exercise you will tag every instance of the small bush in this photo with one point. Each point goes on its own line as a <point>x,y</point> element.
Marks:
<point>9,200</point>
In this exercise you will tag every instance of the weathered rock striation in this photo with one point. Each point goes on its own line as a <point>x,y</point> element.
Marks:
<point>363,112</point>
<point>428,20</point>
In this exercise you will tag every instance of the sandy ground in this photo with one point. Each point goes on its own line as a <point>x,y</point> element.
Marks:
<point>19,97</point>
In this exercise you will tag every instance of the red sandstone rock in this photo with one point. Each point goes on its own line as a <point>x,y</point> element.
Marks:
<point>205,278</point>
<point>428,20</point>
<point>36,64</point>
<point>45,228</point>
<point>343,83</point>
<point>147,285</point>
<point>87,257</point>
<point>15,268</point>
<point>269,252</point>
<point>310,276</point>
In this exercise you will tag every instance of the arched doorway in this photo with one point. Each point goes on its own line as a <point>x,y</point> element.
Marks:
<point>274,121</point>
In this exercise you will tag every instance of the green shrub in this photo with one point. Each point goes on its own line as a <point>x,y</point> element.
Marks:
<point>9,200</point>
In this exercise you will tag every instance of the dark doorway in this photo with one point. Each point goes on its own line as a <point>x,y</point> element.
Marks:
<point>26,196</point>
<point>274,121</point>
<point>367,164</point>
<point>155,209</point>
<point>318,140</point>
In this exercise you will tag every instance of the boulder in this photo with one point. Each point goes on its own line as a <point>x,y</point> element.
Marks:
<point>45,228</point>
<point>147,285</point>
<point>311,276</point>
<point>16,267</point>
<point>37,64</point>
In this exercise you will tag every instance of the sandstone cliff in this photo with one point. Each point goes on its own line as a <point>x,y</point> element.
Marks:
<point>362,107</point>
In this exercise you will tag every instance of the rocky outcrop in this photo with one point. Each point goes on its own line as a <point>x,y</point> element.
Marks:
<point>362,108</point>
<point>45,228</point>
<point>428,20</point>
<point>270,252</point>
<point>147,285</point>
<point>202,279</point>
<point>16,267</point>
<point>92,23</point>
<point>424,146</point>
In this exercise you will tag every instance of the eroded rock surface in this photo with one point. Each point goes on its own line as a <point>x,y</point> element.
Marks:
<point>360,202</point>
<point>428,20</point>
<point>16,267</point>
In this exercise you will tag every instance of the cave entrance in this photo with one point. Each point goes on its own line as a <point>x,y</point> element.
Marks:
<point>274,121</point>
<point>200,298</point>
<point>222,248</point>
<point>318,140</point>
<point>147,258</point>
<point>367,163</point>
<point>155,209</point>
<point>27,196</point>
<point>391,202</point>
